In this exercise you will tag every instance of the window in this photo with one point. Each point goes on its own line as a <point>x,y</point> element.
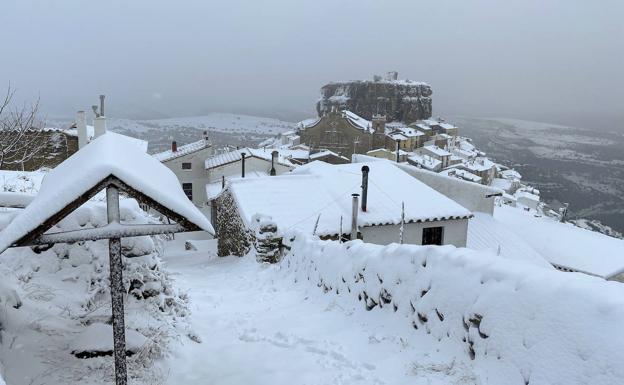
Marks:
<point>432,236</point>
<point>186,166</point>
<point>188,190</point>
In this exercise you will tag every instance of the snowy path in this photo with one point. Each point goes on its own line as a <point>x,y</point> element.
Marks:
<point>257,328</point>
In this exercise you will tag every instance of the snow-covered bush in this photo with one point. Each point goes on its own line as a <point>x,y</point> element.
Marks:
<point>518,323</point>
<point>66,290</point>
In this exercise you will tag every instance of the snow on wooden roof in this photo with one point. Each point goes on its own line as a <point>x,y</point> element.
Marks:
<point>182,150</point>
<point>566,245</point>
<point>295,201</point>
<point>106,156</point>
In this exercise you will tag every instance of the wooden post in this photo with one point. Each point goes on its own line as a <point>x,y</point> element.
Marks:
<point>117,289</point>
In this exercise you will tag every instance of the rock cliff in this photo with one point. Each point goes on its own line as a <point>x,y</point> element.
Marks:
<point>399,100</point>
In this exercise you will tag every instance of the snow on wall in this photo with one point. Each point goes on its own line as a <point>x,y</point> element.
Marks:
<point>518,323</point>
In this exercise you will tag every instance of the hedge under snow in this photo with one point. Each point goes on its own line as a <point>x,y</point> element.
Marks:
<point>519,323</point>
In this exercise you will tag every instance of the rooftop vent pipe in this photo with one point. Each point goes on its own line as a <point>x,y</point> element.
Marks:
<point>354,215</point>
<point>274,155</point>
<point>365,171</point>
<point>243,165</point>
<point>174,146</point>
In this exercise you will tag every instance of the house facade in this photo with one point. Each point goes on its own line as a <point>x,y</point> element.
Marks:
<point>187,163</point>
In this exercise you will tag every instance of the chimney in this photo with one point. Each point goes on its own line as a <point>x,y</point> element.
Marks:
<point>206,141</point>
<point>354,215</point>
<point>81,128</point>
<point>365,171</point>
<point>174,146</point>
<point>274,155</point>
<point>398,150</point>
<point>243,165</point>
<point>99,126</point>
<point>102,105</point>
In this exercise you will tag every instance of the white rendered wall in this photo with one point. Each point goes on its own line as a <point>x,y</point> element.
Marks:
<point>196,175</point>
<point>455,233</point>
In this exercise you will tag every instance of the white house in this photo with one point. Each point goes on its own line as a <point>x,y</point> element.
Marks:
<point>317,198</point>
<point>187,163</point>
<point>437,153</point>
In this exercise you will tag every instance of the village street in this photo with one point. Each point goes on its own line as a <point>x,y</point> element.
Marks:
<point>258,327</point>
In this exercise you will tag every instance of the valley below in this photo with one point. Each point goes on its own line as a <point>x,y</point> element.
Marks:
<point>582,167</point>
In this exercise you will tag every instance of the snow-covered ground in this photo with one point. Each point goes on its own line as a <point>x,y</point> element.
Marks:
<point>257,327</point>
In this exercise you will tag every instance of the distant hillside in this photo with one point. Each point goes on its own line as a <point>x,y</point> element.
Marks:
<point>223,129</point>
<point>582,166</point>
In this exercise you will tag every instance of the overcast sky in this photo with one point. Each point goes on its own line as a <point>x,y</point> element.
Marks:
<point>536,59</point>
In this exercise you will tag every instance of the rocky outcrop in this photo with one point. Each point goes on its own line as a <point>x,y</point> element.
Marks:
<point>399,100</point>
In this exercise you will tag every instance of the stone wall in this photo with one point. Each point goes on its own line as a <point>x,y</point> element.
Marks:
<point>234,237</point>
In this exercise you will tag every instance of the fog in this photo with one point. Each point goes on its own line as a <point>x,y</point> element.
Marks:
<point>556,60</point>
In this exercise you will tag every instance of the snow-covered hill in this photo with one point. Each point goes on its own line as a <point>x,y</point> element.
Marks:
<point>215,122</point>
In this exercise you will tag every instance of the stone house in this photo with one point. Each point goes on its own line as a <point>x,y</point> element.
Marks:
<point>317,198</point>
<point>344,133</point>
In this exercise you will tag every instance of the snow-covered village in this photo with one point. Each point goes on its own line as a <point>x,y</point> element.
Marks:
<point>327,221</point>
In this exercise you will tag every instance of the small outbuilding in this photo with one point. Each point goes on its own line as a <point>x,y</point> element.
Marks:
<point>317,199</point>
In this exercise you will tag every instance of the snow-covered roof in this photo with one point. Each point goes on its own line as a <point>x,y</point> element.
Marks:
<point>236,155</point>
<point>479,164</point>
<point>426,161</point>
<point>139,143</point>
<point>308,123</point>
<point>357,121</point>
<point>486,233</point>
<point>564,244</point>
<point>511,174</point>
<point>182,150</point>
<point>297,199</point>
<point>105,156</point>
<point>437,150</point>
<point>462,174</point>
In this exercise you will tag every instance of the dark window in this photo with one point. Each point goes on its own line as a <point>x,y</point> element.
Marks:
<point>188,190</point>
<point>432,236</point>
<point>186,166</point>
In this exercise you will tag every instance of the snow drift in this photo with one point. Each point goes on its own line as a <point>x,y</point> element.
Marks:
<point>518,323</point>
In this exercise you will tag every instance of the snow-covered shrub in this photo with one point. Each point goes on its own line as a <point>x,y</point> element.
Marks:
<point>519,323</point>
<point>66,289</point>
<point>234,238</point>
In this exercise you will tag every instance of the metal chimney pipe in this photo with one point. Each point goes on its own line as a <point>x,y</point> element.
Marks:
<point>102,105</point>
<point>243,165</point>
<point>274,155</point>
<point>398,149</point>
<point>365,171</point>
<point>174,146</point>
<point>354,215</point>
<point>81,129</point>
<point>99,126</point>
